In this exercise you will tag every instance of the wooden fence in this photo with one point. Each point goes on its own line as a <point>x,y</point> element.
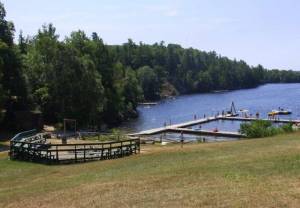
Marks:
<point>39,151</point>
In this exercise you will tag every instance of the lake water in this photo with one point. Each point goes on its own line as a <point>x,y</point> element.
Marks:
<point>262,99</point>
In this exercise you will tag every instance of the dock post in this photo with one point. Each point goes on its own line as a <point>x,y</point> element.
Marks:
<point>57,153</point>
<point>11,150</point>
<point>84,153</point>
<point>181,139</point>
<point>75,153</point>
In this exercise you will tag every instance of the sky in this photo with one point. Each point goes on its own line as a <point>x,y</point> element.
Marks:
<point>263,32</point>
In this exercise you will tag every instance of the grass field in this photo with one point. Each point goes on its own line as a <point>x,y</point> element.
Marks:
<point>249,173</point>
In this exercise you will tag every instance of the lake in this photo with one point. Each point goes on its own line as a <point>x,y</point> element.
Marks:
<point>262,99</point>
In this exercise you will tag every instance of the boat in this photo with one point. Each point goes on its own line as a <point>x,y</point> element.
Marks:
<point>232,112</point>
<point>280,111</point>
<point>244,113</point>
<point>284,112</point>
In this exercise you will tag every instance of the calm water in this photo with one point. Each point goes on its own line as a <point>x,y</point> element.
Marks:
<point>262,99</point>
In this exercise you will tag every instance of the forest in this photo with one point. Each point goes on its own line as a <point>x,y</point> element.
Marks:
<point>84,78</point>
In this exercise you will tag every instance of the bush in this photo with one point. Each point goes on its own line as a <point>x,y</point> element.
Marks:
<point>287,128</point>
<point>258,129</point>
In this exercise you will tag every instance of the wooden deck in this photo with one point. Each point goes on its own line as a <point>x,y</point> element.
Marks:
<point>43,152</point>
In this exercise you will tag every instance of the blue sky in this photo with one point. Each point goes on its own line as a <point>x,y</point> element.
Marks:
<point>263,32</point>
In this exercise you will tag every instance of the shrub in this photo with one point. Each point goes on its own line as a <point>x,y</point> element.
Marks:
<point>258,129</point>
<point>287,128</point>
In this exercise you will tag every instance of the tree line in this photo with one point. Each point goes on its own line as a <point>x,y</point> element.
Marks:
<point>83,78</point>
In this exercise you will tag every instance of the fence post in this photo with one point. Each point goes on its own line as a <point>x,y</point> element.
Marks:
<point>131,152</point>
<point>122,153</point>
<point>109,153</point>
<point>139,144</point>
<point>75,153</point>
<point>84,153</point>
<point>57,153</point>
<point>11,150</point>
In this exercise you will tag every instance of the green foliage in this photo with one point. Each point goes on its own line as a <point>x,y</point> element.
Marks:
<point>13,86</point>
<point>149,82</point>
<point>78,79</point>
<point>258,129</point>
<point>1,75</point>
<point>287,128</point>
<point>63,78</point>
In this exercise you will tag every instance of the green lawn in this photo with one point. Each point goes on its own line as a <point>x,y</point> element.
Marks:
<point>249,173</point>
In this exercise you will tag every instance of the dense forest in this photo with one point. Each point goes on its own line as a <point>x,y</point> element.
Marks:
<point>83,78</point>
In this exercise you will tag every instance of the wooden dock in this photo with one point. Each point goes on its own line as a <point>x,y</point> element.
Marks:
<point>180,128</point>
<point>259,119</point>
<point>208,133</point>
<point>174,126</point>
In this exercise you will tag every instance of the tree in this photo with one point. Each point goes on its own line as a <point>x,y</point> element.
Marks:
<point>64,77</point>
<point>23,43</point>
<point>132,90</point>
<point>41,63</point>
<point>149,82</point>
<point>1,93</point>
<point>204,83</point>
<point>14,91</point>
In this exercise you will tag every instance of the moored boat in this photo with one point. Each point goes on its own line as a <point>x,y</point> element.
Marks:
<point>279,112</point>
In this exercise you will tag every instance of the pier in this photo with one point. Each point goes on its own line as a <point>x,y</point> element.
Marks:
<point>181,127</point>
<point>260,119</point>
<point>207,133</point>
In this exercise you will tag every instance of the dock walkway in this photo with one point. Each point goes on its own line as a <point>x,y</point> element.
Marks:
<point>174,126</point>
<point>260,119</point>
<point>180,128</point>
<point>207,133</point>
